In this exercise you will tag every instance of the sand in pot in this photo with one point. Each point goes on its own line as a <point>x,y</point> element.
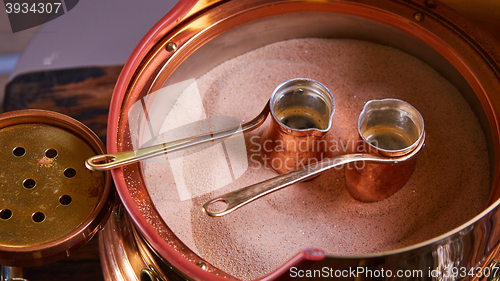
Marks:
<point>451,172</point>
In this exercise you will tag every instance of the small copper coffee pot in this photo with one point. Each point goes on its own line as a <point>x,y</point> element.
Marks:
<point>391,128</point>
<point>302,111</point>
<point>393,133</point>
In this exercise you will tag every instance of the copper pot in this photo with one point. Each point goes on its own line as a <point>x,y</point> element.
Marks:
<point>375,182</point>
<point>192,39</point>
<point>286,146</point>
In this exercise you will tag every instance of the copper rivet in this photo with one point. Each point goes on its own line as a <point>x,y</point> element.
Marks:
<point>431,4</point>
<point>202,265</point>
<point>171,47</point>
<point>418,16</point>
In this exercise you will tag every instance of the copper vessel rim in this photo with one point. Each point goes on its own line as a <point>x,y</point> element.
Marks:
<point>287,128</point>
<point>123,89</point>
<point>390,152</point>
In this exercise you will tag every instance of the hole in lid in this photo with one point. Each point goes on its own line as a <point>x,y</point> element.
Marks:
<point>5,214</point>
<point>70,172</point>
<point>29,183</point>
<point>19,151</point>
<point>65,199</point>
<point>51,153</point>
<point>38,217</point>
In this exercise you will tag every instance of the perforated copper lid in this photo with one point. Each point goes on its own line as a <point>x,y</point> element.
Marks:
<point>50,204</point>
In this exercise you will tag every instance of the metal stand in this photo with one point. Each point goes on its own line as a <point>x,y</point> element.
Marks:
<point>8,273</point>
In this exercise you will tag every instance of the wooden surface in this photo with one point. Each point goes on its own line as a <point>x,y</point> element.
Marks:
<point>83,94</point>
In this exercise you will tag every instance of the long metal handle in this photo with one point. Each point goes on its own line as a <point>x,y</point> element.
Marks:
<point>111,161</point>
<point>238,198</point>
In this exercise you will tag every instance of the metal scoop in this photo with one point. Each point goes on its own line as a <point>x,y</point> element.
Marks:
<point>243,196</point>
<point>115,160</point>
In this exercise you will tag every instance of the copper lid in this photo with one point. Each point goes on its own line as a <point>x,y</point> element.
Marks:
<point>51,204</point>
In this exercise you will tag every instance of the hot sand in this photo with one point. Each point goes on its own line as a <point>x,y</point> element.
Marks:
<point>449,186</point>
